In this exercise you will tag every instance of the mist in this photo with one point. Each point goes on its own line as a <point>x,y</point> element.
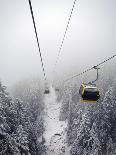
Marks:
<point>90,39</point>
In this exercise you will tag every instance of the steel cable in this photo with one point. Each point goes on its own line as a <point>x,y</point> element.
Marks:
<point>61,45</point>
<point>42,64</point>
<point>89,69</point>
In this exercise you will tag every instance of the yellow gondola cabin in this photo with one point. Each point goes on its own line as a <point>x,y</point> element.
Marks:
<point>89,92</point>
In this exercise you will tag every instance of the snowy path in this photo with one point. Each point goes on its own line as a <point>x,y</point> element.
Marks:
<point>55,134</point>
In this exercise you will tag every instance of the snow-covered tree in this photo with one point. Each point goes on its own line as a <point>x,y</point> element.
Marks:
<point>92,127</point>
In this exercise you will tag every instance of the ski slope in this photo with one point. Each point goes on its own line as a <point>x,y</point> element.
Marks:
<point>55,130</point>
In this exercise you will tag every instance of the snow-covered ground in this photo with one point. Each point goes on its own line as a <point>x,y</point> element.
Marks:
<point>55,130</point>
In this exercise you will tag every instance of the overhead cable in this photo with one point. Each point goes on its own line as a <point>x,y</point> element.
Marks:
<point>89,69</point>
<point>42,64</point>
<point>61,45</point>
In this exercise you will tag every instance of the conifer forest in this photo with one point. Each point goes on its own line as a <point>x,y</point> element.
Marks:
<point>57,77</point>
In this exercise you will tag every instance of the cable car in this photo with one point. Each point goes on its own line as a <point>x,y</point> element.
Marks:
<point>47,91</point>
<point>89,92</point>
<point>56,89</point>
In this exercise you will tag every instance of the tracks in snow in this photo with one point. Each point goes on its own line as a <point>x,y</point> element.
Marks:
<point>55,130</point>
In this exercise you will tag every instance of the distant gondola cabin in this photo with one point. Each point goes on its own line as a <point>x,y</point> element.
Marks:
<point>47,91</point>
<point>56,89</point>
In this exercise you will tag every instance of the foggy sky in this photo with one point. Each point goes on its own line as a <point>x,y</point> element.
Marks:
<point>91,36</point>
